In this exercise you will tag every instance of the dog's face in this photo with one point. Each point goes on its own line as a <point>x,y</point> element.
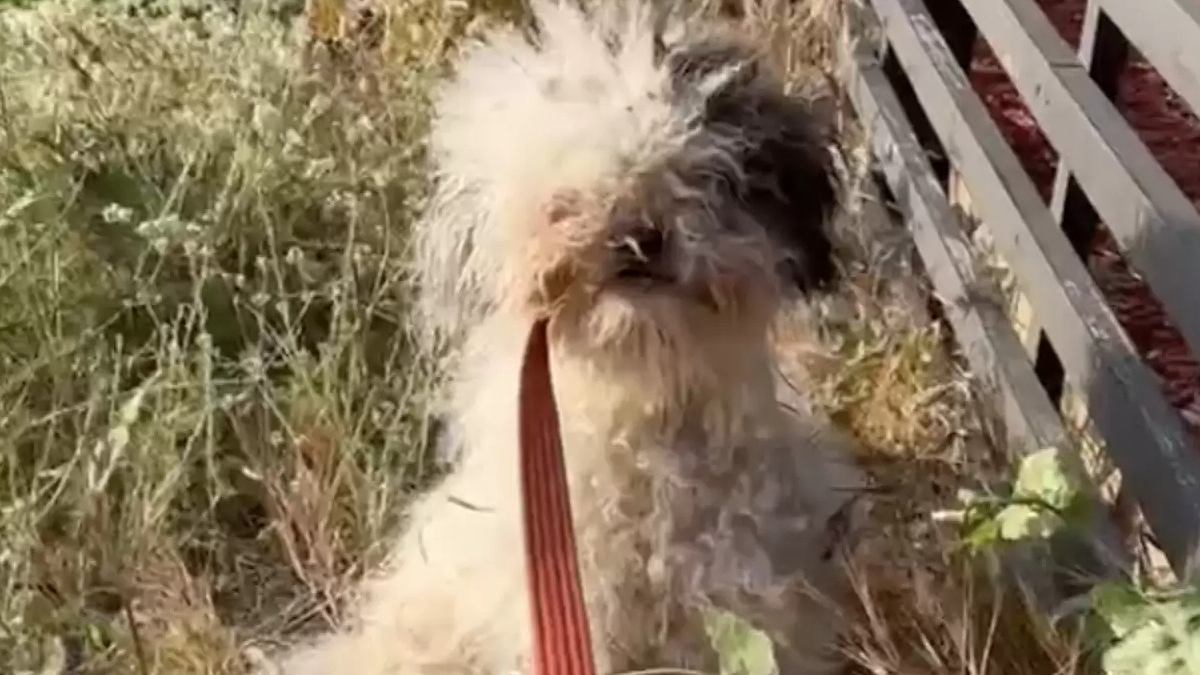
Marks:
<point>667,191</point>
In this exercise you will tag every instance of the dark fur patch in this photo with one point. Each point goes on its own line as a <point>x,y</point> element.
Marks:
<point>789,180</point>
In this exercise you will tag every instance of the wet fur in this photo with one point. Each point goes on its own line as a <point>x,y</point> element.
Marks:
<point>691,486</point>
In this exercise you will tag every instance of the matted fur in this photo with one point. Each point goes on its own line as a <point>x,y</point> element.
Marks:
<point>645,182</point>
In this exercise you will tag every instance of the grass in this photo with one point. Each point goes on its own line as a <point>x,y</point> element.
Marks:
<point>210,411</point>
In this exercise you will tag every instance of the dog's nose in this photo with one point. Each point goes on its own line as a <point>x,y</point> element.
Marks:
<point>644,244</point>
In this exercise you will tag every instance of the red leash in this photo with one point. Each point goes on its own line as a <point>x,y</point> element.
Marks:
<point>561,640</point>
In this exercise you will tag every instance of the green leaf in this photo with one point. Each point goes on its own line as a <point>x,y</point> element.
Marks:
<point>1155,634</point>
<point>979,533</point>
<point>1017,522</point>
<point>1121,606</point>
<point>1046,476</point>
<point>741,648</point>
<point>1046,492</point>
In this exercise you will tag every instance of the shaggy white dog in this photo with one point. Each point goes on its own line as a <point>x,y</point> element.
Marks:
<point>645,183</point>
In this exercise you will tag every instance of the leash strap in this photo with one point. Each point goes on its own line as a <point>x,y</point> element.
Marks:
<point>561,639</point>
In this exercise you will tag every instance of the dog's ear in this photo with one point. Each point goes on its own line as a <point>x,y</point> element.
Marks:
<point>790,187</point>
<point>788,178</point>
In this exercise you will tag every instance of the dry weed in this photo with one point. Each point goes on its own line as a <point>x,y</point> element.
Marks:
<point>209,411</point>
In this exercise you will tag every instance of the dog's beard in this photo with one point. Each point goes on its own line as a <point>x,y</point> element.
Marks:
<point>636,318</point>
<point>628,315</point>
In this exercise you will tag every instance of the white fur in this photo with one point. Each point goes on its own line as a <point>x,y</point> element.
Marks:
<point>690,485</point>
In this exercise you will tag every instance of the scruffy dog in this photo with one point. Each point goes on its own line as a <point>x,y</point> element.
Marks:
<point>646,184</point>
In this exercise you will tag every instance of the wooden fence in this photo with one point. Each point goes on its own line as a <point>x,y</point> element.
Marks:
<point>931,131</point>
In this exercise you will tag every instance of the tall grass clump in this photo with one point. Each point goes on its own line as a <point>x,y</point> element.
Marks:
<point>209,405</point>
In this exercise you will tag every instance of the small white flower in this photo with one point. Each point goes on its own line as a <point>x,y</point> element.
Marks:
<point>116,213</point>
